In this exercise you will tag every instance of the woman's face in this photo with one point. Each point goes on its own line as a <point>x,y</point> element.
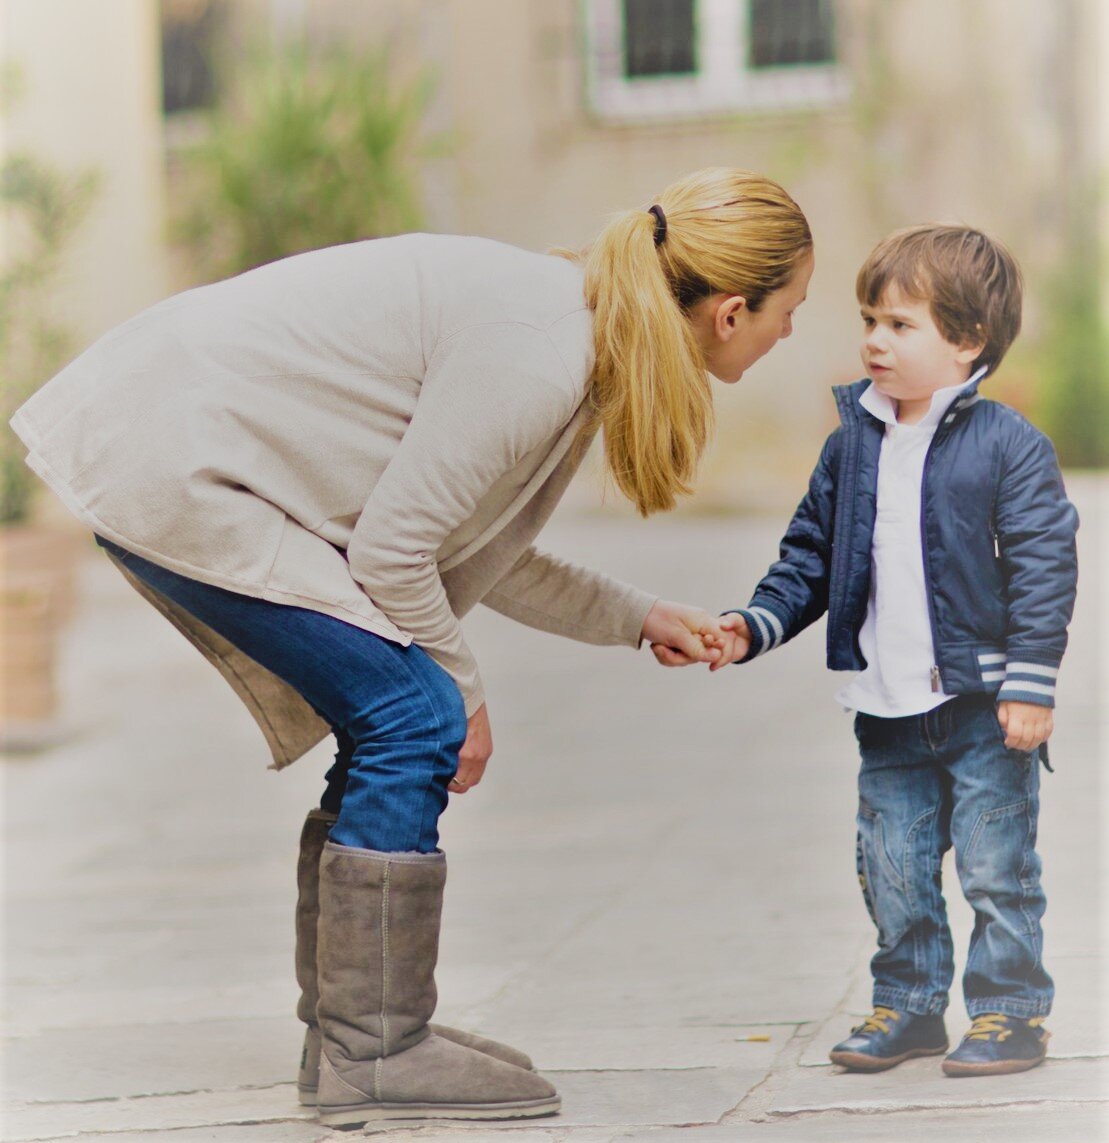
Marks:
<point>733,338</point>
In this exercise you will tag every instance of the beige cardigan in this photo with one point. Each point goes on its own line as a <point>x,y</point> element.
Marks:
<point>375,431</point>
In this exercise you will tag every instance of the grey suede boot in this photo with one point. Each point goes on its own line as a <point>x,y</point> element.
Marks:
<point>378,945</point>
<point>312,839</point>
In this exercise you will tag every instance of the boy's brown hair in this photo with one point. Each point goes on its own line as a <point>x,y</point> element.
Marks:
<point>971,283</point>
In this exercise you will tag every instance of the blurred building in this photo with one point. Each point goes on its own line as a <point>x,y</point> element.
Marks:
<point>82,93</point>
<point>873,113</point>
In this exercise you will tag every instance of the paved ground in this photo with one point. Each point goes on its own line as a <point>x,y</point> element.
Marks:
<point>659,865</point>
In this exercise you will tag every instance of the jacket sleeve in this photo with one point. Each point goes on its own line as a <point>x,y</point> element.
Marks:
<point>1036,526</point>
<point>794,592</point>
<point>554,595</point>
<point>490,395</point>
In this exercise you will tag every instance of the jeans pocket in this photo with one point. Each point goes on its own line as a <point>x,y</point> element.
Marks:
<point>999,734</point>
<point>882,885</point>
<point>868,730</point>
<point>999,865</point>
<point>881,866</point>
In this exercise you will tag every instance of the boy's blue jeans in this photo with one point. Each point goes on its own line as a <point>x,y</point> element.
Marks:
<point>398,717</point>
<point>929,782</point>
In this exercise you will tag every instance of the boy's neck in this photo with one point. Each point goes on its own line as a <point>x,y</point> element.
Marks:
<point>912,412</point>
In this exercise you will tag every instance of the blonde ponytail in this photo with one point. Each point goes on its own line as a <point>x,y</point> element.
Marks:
<point>726,231</point>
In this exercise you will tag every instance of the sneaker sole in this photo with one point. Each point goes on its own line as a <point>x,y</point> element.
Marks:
<point>958,1070</point>
<point>353,1115</point>
<point>858,1062</point>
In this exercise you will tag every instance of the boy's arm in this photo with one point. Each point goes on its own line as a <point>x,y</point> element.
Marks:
<point>794,592</point>
<point>1036,526</point>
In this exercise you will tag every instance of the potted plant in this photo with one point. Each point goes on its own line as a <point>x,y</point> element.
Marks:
<point>42,208</point>
<point>309,145</point>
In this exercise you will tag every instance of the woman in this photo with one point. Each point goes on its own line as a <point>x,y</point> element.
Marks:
<point>316,468</point>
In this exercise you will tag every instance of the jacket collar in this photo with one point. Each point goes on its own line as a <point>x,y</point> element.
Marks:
<point>851,411</point>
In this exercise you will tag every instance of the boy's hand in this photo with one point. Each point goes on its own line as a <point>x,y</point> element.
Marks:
<point>681,635</point>
<point>736,640</point>
<point>1026,724</point>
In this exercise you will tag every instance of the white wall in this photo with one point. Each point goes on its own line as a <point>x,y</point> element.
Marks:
<point>92,98</point>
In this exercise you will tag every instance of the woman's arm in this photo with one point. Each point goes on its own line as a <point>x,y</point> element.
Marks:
<point>563,598</point>
<point>555,595</point>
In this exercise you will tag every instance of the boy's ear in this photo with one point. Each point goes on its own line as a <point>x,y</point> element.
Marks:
<point>728,315</point>
<point>970,351</point>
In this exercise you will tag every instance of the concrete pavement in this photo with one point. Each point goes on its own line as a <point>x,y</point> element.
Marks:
<point>658,865</point>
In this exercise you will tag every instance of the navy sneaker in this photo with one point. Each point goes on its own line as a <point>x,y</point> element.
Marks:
<point>887,1038</point>
<point>997,1045</point>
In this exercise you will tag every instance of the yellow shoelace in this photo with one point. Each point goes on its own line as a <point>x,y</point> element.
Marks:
<point>994,1024</point>
<point>878,1021</point>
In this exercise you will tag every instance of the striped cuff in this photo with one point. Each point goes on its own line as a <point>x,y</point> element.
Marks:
<point>767,631</point>
<point>1020,680</point>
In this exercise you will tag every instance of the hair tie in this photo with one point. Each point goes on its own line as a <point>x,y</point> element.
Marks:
<point>660,224</point>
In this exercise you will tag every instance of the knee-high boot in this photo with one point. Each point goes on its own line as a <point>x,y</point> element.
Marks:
<point>378,946</point>
<point>313,836</point>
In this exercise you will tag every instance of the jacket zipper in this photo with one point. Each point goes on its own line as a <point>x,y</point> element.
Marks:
<point>849,466</point>
<point>934,674</point>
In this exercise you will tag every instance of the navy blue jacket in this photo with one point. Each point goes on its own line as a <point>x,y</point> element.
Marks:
<point>998,532</point>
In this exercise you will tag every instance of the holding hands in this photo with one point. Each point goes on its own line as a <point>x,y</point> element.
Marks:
<point>680,636</point>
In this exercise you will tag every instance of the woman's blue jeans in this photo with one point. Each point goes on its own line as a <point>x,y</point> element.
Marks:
<point>398,717</point>
<point>929,782</point>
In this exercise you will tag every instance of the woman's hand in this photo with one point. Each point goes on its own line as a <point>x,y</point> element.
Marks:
<point>681,635</point>
<point>475,753</point>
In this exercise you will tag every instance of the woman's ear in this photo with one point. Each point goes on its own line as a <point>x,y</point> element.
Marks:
<point>729,314</point>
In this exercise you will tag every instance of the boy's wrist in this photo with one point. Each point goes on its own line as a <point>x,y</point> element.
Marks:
<point>767,629</point>
<point>759,632</point>
<point>1030,677</point>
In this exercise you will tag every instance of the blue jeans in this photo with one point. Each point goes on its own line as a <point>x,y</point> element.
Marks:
<point>397,716</point>
<point>929,782</point>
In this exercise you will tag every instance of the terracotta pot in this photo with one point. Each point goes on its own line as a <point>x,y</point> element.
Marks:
<point>43,551</point>
<point>37,596</point>
<point>28,638</point>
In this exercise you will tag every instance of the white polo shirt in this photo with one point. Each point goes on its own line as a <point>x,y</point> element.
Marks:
<point>896,635</point>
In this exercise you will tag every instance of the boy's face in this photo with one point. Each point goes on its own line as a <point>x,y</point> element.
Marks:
<point>906,355</point>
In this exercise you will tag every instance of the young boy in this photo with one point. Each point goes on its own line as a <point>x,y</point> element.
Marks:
<point>937,535</point>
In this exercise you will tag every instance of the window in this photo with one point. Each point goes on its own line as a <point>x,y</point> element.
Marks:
<point>790,32</point>
<point>190,30</point>
<point>658,38</point>
<point>681,59</point>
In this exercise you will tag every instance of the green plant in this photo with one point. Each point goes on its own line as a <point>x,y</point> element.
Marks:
<point>43,207</point>
<point>1074,393</point>
<point>308,147</point>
